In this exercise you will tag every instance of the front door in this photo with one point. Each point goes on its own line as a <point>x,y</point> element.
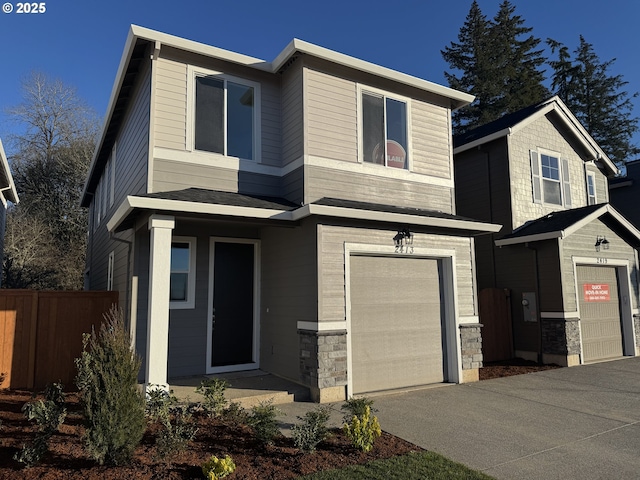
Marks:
<point>232,306</point>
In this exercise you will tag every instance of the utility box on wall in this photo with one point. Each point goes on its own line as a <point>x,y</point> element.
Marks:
<point>529,309</point>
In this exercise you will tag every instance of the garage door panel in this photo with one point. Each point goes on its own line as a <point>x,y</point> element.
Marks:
<point>600,320</point>
<point>396,333</point>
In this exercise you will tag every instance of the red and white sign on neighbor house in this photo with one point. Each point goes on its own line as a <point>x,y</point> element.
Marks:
<point>596,292</point>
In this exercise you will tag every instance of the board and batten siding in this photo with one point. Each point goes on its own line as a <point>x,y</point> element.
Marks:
<point>581,244</point>
<point>541,134</point>
<point>171,102</point>
<point>331,239</point>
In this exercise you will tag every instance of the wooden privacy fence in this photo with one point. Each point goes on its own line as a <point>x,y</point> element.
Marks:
<point>494,305</point>
<point>41,334</point>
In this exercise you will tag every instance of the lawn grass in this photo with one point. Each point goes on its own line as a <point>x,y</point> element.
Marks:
<point>413,466</point>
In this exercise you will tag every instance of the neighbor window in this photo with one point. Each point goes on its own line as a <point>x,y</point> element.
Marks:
<point>182,282</point>
<point>226,115</point>
<point>591,188</point>
<point>550,179</point>
<point>384,130</point>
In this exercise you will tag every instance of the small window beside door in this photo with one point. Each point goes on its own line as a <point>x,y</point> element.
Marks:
<point>183,271</point>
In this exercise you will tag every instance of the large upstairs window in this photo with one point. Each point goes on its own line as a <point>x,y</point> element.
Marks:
<point>226,115</point>
<point>384,130</point>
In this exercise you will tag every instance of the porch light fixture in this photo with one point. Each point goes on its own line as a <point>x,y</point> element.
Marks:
<point>602,242</point>
<point>404,238</point>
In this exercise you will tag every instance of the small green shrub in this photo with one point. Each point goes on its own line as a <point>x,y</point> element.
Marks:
<point>313,429</point>
<point>235,414</point>
<point>48,414</point>
<point>108,383</point>
<point>159,403</point>
<point>177,431</point>
<point>357,407</point>
<point>212,389</point>
<point>216,468</point>
<point>264,423</point>
<point>363,430</point>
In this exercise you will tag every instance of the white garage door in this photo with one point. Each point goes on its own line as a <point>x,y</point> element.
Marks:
<point>396,332</point>
<point>599,313</point>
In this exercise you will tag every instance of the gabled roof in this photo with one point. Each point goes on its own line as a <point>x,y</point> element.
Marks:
<point>513,122</point>
<point>7,187</point>
<point>198,201</point>
<point>563,223</point>
<point>140,38</point>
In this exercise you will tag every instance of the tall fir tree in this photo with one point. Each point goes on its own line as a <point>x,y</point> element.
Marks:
<point>472,57</point>
<point>596,98</point>
<point>497,65</point>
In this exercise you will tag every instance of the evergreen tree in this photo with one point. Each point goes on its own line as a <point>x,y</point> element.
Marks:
<point>596,98</point>
<point>497,65</point>
<point>471,56</point>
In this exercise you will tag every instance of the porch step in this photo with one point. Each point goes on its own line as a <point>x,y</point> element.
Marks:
<point>246,388</point>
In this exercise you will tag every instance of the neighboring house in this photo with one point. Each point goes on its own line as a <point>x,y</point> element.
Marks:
<point>567,256</point>
<point>7,194</point>
<point>625,193</point>
<point>294,216</point>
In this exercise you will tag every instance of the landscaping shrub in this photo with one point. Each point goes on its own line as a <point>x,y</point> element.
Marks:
<point>357,407</point>
<point>264,423</point>
<point>363,430</point>
<point>216,468</point>
<point>235,414</point>
<point>313,429</point>
<point>212,389</point>
<point>48,414</point>
<point>108,383</point>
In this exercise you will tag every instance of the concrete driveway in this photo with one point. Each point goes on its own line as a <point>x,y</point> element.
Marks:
<point>570,423</point>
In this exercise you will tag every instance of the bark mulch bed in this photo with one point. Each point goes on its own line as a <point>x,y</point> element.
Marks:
<point>67,459</point>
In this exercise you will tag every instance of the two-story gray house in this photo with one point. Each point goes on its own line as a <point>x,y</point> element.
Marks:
<point>625,192</point>
<point>565,255</point>
<point>295,216</point>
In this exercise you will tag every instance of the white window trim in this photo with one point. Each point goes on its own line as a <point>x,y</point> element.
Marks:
<point>561,181</point>
<point>595,190</point>
<point>98,198</point>
<point>190,302</point>
<point>110,268</point>
<point>365,88</point>
<point>192,73</point>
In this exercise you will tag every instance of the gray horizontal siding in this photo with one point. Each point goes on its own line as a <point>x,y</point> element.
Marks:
<point>326,182</point>
<point>431,137</point>
<point>292,114</point>
<point>171,175</point>
<point>170,104</point>
<point>292,186</point>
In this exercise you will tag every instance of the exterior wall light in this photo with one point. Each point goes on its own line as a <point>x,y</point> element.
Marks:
<point>403,240</point>
<point>601,242</point>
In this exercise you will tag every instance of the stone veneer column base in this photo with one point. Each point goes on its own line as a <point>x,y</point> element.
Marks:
<point>562,360</point>
<point>328,395</point>
<point>472,375</point>
<point>470,347</point>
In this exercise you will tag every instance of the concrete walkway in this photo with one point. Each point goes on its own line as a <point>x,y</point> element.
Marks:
<point>571,423</point>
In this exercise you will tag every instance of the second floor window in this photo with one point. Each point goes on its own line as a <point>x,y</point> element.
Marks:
<point>225,116</point>
<point>550,179</point>
<point>384,130</point>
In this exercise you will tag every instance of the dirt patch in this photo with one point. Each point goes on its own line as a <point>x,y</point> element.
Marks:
<point>67,459</point>
<point>515,366</point>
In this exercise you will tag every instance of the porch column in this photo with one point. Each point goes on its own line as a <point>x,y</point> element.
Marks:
<point>160,227</point>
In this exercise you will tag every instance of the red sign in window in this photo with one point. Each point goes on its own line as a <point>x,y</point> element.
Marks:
<point>596,292</point>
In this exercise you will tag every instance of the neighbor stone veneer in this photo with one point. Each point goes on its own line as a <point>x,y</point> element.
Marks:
<point>561,336</point>
<point>323,358</point>
<point>636,324</point>
<point>471,346</point>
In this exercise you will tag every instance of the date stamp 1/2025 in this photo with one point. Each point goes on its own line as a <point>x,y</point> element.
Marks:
<point>24,8</point>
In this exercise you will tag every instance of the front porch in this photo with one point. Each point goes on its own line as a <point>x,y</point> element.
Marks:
<point>247,388</point>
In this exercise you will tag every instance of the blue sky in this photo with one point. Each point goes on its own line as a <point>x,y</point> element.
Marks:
<point>81,42</point>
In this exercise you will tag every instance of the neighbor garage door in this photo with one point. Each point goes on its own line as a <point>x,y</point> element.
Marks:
<point>599,313</point>
<point>396,332</point>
